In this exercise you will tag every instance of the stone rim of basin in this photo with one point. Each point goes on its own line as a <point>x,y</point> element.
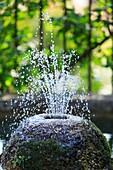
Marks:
<point>56,118</point>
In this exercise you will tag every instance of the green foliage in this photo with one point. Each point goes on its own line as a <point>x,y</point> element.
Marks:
<point>8,48</point>
<point>77,34</point>
<point>17,19</point>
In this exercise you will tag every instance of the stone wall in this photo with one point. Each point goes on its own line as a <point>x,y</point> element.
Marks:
<point>98,104</point>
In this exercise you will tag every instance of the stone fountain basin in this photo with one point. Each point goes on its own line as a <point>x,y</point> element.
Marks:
<point>46,141</point>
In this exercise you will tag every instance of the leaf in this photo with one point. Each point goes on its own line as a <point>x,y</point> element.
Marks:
<point>8,82</point>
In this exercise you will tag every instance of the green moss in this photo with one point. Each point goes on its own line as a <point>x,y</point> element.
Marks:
<point>81,146</point>
<point>99,142</point>
<point>37,155</point>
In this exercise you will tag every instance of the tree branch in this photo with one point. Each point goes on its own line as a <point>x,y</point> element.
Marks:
<point>85,54</point>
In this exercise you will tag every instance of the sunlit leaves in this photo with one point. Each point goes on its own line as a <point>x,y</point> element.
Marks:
<point>76,30</point>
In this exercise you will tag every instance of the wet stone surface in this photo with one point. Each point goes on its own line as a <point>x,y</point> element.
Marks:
<point>71,143</point>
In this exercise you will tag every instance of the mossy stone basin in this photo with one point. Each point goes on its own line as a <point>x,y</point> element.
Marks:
<point>56,142</point>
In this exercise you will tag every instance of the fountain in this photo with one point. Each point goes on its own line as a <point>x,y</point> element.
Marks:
<point>55,139</point>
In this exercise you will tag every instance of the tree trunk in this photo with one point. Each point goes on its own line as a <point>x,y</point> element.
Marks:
<point>89,46</point>
<point>112,47</point>
<point>15,24</point>
<point>112,66</point>
<point>64,31</point>
<point>41,34</point>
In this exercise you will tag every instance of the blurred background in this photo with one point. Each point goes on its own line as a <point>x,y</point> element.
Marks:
<point>84,25</point>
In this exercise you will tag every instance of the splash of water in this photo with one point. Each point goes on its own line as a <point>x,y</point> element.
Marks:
<point>47,77</point>
<point>48,73</point>
<point>57,86</point>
